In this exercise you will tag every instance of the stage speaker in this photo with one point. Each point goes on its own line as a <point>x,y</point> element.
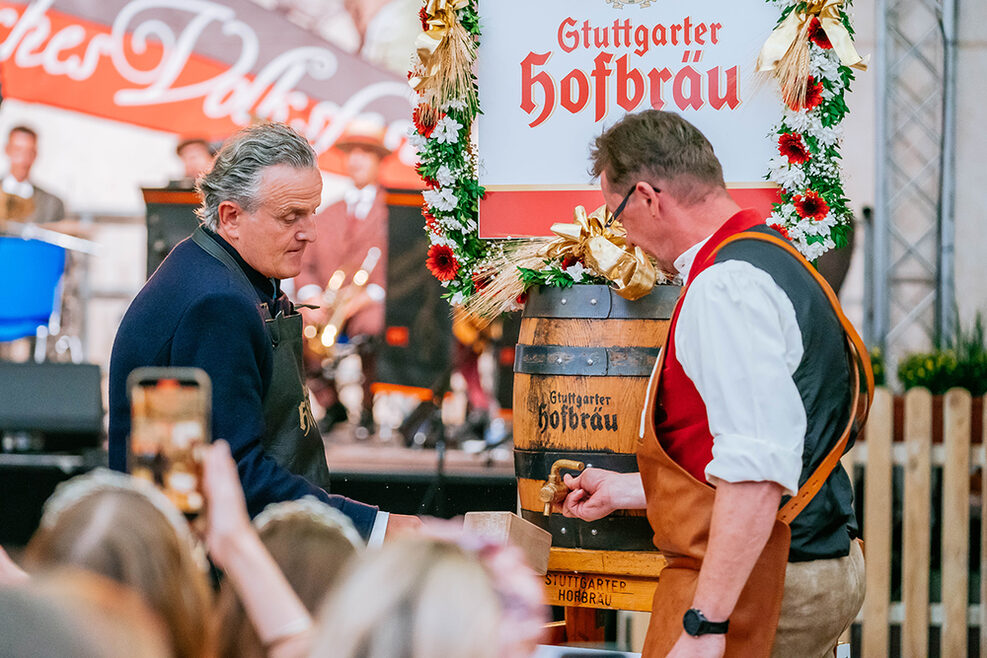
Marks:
<point>417,347</point>
<point>59,402</point>
<point>170,219</point>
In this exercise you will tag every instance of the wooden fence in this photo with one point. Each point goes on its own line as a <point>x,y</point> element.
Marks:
<point>917,508</point>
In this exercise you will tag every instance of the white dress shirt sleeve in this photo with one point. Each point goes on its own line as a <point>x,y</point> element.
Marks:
<point>738,340</point>
<point>379,529</point>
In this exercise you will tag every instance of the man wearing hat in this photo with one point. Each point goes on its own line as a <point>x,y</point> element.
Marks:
<point>348,231</point>
<point>197,155</point>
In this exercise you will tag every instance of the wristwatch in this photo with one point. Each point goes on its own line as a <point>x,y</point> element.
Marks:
<point>696,624</point>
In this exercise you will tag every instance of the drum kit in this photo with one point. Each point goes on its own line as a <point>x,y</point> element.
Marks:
<point>42,267</point>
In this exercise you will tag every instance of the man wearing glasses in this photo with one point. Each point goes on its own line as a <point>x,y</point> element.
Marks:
<point>751,399</point>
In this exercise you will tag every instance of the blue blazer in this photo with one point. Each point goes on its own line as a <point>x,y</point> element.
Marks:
<point>192,312</point>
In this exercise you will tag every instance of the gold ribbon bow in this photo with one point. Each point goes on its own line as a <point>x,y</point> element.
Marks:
<point>605,251</point>
<point>441,19</point>
<point>796,25</point>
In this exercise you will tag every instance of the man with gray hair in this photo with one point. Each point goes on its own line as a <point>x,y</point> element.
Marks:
<point>215,303</point>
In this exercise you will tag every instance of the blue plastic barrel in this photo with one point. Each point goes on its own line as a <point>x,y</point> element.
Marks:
<point>29,274</point>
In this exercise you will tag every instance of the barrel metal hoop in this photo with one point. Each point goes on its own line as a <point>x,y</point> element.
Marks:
<point>612,533</point>
<point>585,361</point>
<point>599,302</point>
<point>537,464</point>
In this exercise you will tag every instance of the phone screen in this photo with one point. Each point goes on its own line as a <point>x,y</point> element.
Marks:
<point>169,410</point>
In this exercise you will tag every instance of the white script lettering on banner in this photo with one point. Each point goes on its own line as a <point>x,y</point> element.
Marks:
<point>233,93</point>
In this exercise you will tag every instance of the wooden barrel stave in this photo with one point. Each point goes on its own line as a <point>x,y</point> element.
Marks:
<point>584,357</point>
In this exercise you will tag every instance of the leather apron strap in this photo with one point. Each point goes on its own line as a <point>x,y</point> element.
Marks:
<point>681,515</point>
<point>291,435</point>
<point>859,406</point>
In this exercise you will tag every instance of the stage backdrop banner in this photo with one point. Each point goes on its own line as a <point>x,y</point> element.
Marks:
<point>555,73</point>
<point>198,67</point>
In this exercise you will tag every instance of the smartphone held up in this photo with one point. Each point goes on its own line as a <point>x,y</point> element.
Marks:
<point>170,428</point>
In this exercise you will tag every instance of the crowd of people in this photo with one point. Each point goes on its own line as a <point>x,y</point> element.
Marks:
<point>115,566</point>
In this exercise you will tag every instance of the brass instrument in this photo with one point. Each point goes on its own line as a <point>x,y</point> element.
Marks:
<point>321,339</point>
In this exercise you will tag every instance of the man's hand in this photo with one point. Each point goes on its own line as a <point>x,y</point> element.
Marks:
<point>596,493</point>
<point>400,524</point>
<point>704,646</point>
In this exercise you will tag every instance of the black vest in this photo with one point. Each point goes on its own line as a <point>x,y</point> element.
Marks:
<point>825,527</point>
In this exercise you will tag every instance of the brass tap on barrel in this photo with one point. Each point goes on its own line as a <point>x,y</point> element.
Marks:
<point>555,491</point>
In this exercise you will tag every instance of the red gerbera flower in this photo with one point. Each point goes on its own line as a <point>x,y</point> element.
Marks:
<point>794,148</point>
<point>781,229</point>
<point>813,96</point>
<point>810,205</point>
<point>423,16</point>
<point>442,262</point>
<point>423,125</point>
<point>818,35</point>
<point>522,298</point>
<point>813,93</point>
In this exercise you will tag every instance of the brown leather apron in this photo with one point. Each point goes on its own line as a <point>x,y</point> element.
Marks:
<point>679,508</point>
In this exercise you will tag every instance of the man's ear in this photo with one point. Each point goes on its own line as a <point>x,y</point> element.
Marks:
<point>230,214</point>
<point>650,196</point>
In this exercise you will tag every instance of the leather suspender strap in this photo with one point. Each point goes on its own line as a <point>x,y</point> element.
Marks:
<point>860,405</point>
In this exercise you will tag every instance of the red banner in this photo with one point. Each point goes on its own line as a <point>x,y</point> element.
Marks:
<point>199,68</point>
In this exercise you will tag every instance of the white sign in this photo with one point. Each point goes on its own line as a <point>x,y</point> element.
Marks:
<point>555,73</point>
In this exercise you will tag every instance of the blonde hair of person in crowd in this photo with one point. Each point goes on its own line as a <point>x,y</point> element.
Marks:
<point>83,615</point>
<point>125,529</point>
<point>312,544</point>
<point>421,597</point>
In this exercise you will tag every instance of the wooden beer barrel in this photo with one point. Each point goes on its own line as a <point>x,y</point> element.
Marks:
<point>581,371</point>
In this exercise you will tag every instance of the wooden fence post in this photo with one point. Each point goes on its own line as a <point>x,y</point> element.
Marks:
<point>877,526</point>
<point>916,531</point>
<point>955,523</point>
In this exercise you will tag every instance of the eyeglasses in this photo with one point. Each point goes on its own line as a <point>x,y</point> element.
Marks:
<point>620,208</point>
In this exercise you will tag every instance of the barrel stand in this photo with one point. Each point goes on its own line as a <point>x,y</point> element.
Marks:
<point>584,581</point>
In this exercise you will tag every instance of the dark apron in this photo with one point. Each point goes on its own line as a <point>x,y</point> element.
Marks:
<point>291,435</point>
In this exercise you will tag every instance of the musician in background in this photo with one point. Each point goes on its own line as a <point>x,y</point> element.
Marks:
<point>347,231</point>
<point>22,200</point>
<point>197,156</point>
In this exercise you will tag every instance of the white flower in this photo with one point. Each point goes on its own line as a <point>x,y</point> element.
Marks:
<point>417,141</point>
<point>803,121</point>
<point>789,176</point>
<point>454,104</point>
<point>447,130</point>
<point>445,176</point>
<point>828,135</point>
<point>825,65</point>
<point>457,298</point>
<point>442,199</point>
<point>575,271</point>
<point>451,223</point>
<point>441,240</point>
<point>814,250</point>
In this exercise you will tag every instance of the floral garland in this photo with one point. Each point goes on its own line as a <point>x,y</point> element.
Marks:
<point>813,212</point>
<point>446,155</point>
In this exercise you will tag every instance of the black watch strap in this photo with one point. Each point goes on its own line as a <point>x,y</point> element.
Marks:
<point>695,624</point>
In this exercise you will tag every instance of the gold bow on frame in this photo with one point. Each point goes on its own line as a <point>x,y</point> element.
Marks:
<point>605,251</point>
<point>786,52</point>
<point>445,51</point>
